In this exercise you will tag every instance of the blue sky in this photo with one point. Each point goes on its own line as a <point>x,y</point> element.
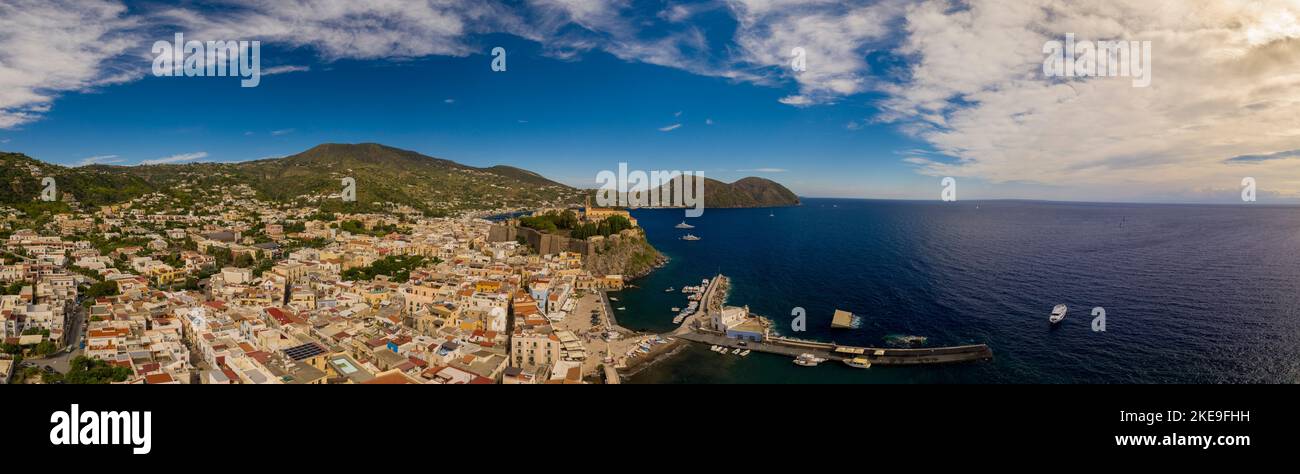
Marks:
<point>884,110</point>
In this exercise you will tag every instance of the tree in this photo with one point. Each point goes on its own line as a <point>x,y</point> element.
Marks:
<point>14,288</point>
<point>83,370</point>
<point>101,289</point>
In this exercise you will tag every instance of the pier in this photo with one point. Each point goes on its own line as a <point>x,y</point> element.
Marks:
<point>694,330</point>
<point>706,304</point>
<point>829,351</point>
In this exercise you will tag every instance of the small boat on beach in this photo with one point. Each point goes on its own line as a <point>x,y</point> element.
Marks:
<point>858,363</point>
<point>736,352</point>
<point>1058,313</point>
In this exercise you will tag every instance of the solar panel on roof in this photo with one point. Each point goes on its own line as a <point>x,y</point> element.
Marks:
<point>304,351</point>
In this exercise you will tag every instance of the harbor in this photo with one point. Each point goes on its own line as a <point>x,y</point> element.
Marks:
<point>829,351</point>
<point>733,332</point>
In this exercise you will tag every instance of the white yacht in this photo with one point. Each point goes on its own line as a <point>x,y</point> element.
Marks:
<point>690,237</point>
<point>684,225</point>
<point>808,360</point>
<point>1058,313</point>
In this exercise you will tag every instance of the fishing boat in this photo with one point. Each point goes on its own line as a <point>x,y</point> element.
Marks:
<point>808,360</point>
<point>858,363</point>
<point>1058,313</point>
<point>736,352</point>
<point>669,290</point>
<point>744,353</point>
<point>676,309</point>
<point>621,308</point>
<point>684,225</point>
<point>690,237</point>
<point>714,348</point>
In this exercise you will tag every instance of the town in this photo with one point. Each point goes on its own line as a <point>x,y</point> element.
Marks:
<point>244,291</point>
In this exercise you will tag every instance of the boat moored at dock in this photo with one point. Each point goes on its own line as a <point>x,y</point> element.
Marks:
<point>808,360</point>
<point>858,363</point>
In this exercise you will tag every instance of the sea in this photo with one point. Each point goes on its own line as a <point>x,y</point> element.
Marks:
<point>1189,293</point>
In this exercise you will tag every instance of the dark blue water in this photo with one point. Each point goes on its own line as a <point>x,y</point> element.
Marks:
<point>1191,293</point>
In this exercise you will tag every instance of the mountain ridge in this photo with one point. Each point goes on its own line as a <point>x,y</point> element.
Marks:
<point>382,173</point>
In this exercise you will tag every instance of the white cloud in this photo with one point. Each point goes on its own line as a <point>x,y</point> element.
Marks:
<point>270,71</point>
<point>181,158</point>
<point>835,38</point>
<point>276,133</point>
<point>344,29</point>
<point>796,100</point>
<point>1223,86</point>
<point>670,127</point>
<point>449,101</point>
<point>708,121</point>
<point>49,47</point>
<point>100,160</point>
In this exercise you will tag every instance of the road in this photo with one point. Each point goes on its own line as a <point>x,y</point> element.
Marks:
<point>61,360</point>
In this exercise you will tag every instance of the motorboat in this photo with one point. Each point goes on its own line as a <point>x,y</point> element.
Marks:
<point>1058,313</point>
<point>858,363</point>
<point>808,360</point>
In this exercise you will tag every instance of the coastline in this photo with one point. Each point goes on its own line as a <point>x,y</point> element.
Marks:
<point>667,351</point>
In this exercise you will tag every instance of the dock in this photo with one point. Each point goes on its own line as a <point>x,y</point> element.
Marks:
<point>708,301</point>
<point>829,351</point>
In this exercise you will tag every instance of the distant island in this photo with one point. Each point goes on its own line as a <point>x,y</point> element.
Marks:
<point>744,193</point>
